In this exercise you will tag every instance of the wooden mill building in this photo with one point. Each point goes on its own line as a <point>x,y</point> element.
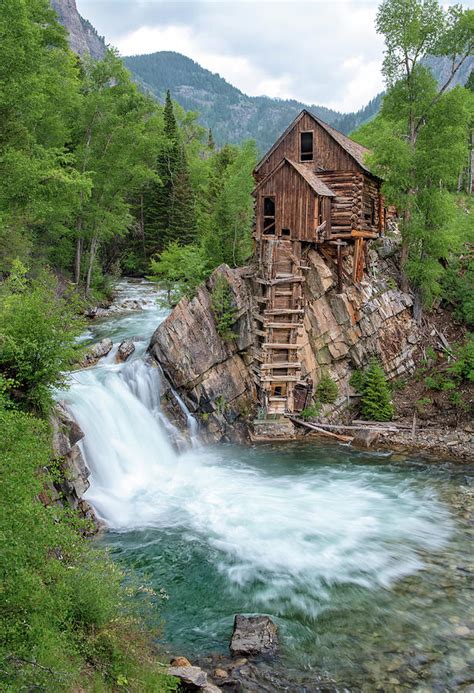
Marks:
<point>313,188</point>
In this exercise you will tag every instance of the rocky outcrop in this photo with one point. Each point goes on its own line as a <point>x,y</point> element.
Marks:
<point>124,351</point>
<point>211,374</point>
<point>253,635</point>
<point>83,38</point>
<point>340,333</point>
<point>73,481</point>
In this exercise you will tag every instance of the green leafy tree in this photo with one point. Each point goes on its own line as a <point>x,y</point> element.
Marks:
<point>110,138</point>
<point>228,238</point>
<point>39,94</point>
<point>420,139</point>
<point>179,270</point>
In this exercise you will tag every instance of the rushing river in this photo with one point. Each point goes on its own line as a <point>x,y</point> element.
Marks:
<point>364,562</point>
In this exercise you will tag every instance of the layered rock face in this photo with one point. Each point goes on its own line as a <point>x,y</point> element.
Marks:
<point>83,38</point>
<point>211,374</point>
<point>341,332</point>
<point>74,481</point>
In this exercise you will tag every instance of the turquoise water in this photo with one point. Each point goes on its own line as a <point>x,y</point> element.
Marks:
<point>370,584</point>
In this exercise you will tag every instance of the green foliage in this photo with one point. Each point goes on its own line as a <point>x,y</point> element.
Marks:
<point>327,390</point>
<point>463,368</point>
<point>422,404</point>
<point>179,270</point>
<point>37,332</point>
<point>223,308</point>
<point>169,205</point>
<point>311,412</point>
<point>376,402</point>
<point>420,139</point>
<point>458,279</point>
<point>227,228</point>
<point>64,612</point>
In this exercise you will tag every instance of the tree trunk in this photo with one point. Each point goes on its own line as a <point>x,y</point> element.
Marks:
<point>417,305</point>
<point>92,253</point>
<point>77,261</point>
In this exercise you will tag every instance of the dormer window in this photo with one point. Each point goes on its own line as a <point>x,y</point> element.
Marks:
<point>306,146</point>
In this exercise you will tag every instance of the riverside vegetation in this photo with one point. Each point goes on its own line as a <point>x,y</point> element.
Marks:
<point>98,178</point>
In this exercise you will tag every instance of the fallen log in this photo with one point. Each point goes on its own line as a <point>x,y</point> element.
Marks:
<point>312,427</point>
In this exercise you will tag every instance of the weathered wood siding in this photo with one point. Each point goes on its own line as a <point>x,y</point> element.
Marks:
<point>354,195</point>
<point>328,155</point>
<point>296,205</point>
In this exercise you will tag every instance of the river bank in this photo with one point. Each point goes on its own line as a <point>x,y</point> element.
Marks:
<point>360,557</point>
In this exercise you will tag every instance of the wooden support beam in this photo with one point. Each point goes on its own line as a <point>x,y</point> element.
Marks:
<point>280,379</point>
<point>364,234</point>
<point>281,364</point>
<point>284,311</point>
<point>276,345</point>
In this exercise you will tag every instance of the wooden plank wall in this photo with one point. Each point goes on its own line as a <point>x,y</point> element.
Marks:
<point>296,204</point>
<point>328,154</point>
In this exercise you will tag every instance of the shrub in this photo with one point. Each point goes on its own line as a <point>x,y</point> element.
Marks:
<point>327,390</point>
<point>311,412</point>
<point>223,308</point>
<point>376,396</point>
<point>463,367</point>
<point>37,337</point>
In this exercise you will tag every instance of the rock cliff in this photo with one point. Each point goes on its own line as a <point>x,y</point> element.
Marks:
<point>83,38</point>
<point>73,480</point>
<point>341,332</point>
<point>211,375</point>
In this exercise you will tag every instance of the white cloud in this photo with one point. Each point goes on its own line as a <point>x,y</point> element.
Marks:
<point>317,51</point>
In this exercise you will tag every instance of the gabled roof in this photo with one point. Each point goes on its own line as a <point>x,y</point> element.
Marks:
<point>355,150</point>
<point>304,170</point>
<point>312,178</point>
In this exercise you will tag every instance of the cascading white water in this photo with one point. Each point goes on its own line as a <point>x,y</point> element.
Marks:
<point>293,533</point>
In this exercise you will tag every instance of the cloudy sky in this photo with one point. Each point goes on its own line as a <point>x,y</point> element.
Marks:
<point>317,51</point>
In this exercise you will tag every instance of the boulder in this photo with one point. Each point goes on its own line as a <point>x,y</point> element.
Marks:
<point>126,349</point>
<point>190,676</point>
<point>180,662</point>
<point>96,352</point>
<point>254,635</point>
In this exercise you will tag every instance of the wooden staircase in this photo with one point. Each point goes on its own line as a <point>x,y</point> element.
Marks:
<point>276,365</point>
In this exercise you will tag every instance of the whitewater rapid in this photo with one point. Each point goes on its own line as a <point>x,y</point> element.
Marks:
<point>291,534</point>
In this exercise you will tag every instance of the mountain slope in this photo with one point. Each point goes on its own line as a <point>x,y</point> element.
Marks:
<point>232,115</point>
<point>83,37</point>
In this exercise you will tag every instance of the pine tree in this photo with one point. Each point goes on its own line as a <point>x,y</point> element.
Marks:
<point>169,213</point>
<point>376,398</point>
<point>211,145</point>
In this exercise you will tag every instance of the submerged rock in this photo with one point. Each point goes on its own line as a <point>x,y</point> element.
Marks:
<point>96,352</point>
<point>254,635</point>
<point>125,350</point>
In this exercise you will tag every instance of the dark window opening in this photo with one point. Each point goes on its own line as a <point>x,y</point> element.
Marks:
<point>306,146</point>
<point>368,208</point>
<point>278,390</point>
<point>372,213</point>
<point>320,211</point>
<point>269,216</point>
<point>285,232</point>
